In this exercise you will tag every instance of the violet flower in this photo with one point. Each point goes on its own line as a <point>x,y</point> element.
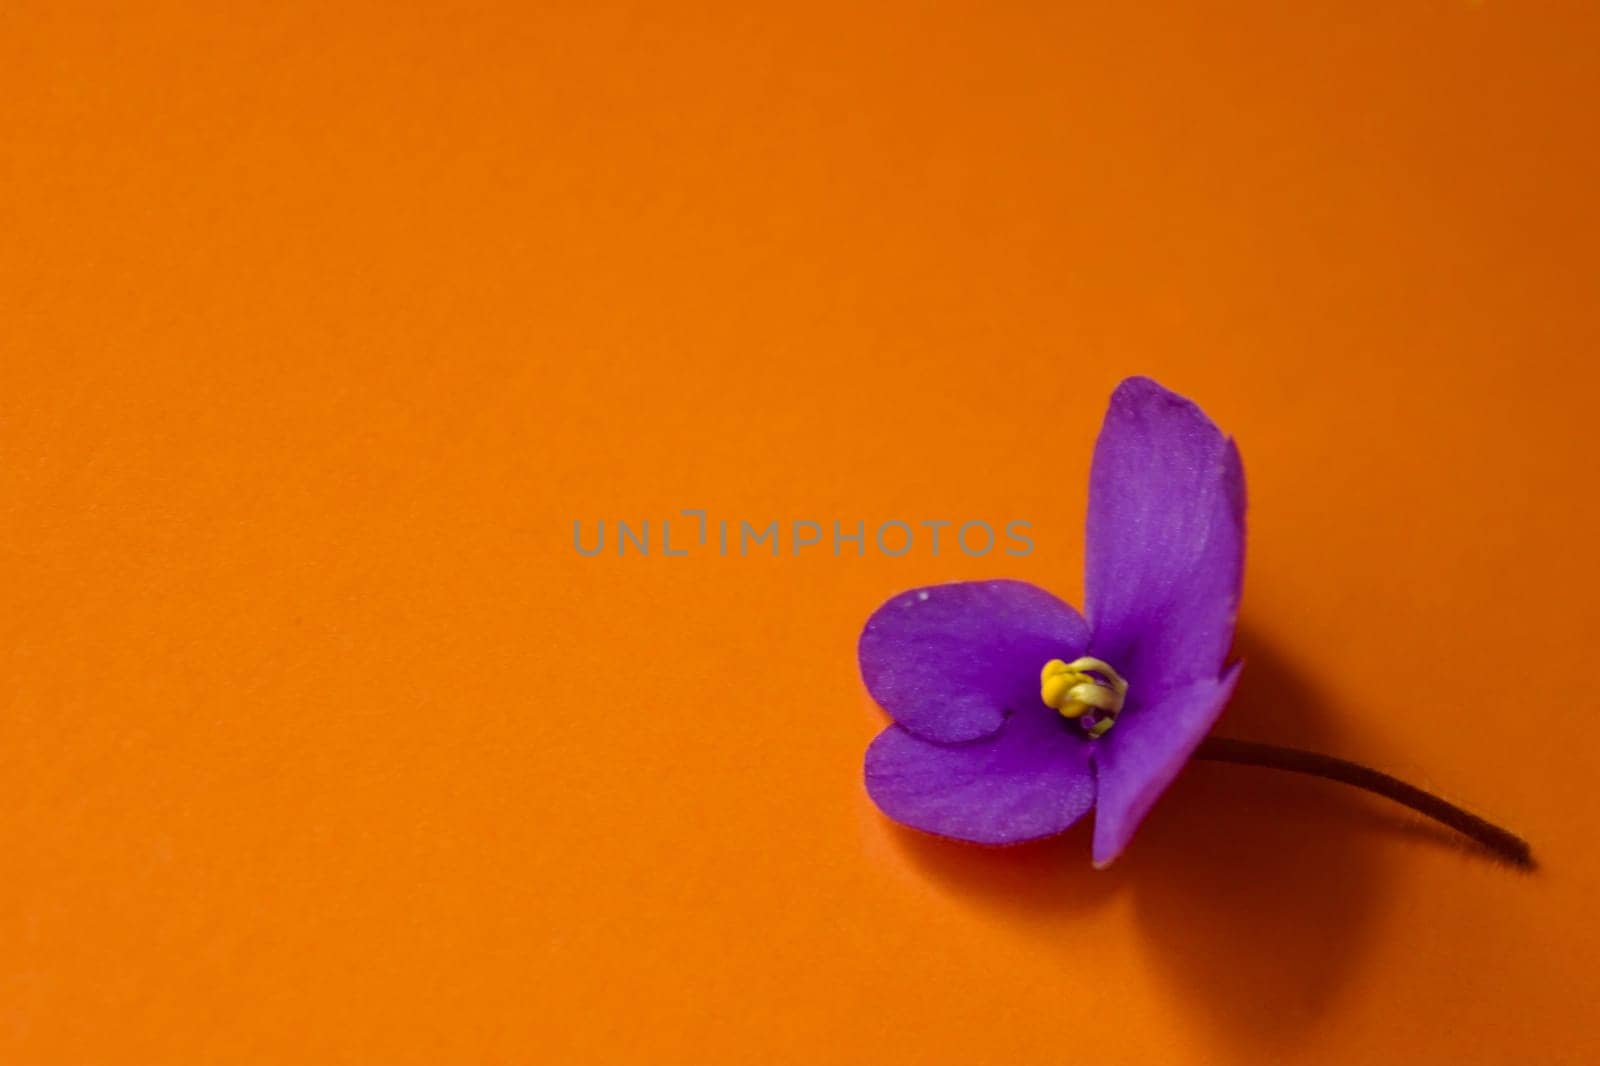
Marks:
<point>975,752</point>
<point>1013,717</point>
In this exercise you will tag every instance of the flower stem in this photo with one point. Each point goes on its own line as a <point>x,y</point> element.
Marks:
<point>1504,843</point>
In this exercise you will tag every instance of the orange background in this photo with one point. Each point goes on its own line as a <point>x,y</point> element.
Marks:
<point>323,323</point>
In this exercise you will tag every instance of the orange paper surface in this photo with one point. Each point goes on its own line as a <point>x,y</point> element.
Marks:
<point>323,324</point>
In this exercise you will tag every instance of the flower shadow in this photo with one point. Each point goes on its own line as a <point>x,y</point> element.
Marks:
<point>1255,888</point>
<point>1039,882</point>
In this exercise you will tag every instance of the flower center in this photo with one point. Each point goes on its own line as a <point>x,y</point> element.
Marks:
<point>1086,690</point>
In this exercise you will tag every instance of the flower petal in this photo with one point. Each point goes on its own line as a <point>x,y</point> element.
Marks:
<point>1030,780</point>
<point>1138,759</point>
<point>1165,551</point>
<point>948,661</point>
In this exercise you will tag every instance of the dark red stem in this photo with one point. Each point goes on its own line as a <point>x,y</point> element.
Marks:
<point>1502,842</point>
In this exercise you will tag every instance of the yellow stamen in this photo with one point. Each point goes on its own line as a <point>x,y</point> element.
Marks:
<point>1084,686</point>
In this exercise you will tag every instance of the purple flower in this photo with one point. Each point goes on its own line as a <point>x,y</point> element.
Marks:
<point>1012,715</point>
